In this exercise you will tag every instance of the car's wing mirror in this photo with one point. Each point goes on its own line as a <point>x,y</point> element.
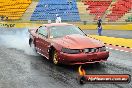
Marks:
<point>40,26</point>
<point>36,30</point>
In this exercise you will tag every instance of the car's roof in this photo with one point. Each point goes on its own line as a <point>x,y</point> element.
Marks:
<point>56,24</point>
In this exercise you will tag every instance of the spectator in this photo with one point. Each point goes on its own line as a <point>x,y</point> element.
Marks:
<point>6,18</point>
<point>58,19</point>
<point>69,1</point>
<point>49,21</point>
<point>99,23</point>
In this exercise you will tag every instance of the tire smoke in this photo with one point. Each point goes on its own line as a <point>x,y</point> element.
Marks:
<point>17,39</point>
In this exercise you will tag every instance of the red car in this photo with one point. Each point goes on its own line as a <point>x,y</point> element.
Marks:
<point>67,44</point>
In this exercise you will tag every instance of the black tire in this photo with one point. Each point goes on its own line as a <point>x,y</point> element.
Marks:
<point>32,45</point>
<point>30,41</point>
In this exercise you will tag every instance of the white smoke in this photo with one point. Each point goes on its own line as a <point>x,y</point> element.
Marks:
<point>16,38</point>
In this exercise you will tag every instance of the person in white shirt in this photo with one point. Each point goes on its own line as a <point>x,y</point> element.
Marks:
<point>58,19</point>
<point>49,21</point>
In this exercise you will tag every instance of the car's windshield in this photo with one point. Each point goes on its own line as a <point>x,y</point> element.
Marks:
<point>61,31</point>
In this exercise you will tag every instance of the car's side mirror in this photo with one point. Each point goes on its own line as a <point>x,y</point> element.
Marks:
<point>40,26</point>
<point>36,30</point>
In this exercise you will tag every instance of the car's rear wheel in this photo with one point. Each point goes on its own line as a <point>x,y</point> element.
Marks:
<point>30,42</point>
<point>32,45</point>
<point>55,57</point>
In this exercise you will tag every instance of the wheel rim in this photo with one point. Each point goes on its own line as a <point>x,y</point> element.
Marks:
<point>55,58</point>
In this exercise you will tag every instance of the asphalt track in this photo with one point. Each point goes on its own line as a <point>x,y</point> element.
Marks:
<point>112,33</point>
<point>21,67</point>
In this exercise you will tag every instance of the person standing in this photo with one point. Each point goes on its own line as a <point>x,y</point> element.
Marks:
<point>69,2</point>
<point>49,21</point>
<point>99,23</point>
<point>2,18</point>
<point>58,19</point>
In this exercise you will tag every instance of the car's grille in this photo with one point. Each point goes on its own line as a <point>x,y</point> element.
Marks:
<point>93,50</point>
<point>90,50</point>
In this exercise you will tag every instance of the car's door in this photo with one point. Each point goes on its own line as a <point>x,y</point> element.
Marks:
<point>37,40</point>
<point>42,42</point>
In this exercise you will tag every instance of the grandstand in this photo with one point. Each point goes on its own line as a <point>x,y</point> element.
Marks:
<point>28,13</point>
<point>97,8</point>
<point>110,10</point>
<point>69,10</point>
<point>47,10</point>
<point>119,9</point>
<point>13,9</point>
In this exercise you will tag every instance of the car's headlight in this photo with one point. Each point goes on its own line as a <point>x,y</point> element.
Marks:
<point>103,48</point>
<point>70,51</point>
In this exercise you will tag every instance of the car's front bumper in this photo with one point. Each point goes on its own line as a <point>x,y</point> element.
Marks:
<point>83,58</point>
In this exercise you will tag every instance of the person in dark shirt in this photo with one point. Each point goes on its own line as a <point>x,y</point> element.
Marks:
<point>99,23</point>
<point>2,17</point>
<point>6,18</point>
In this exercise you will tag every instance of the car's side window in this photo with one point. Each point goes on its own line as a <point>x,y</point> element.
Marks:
<point>43,31</point>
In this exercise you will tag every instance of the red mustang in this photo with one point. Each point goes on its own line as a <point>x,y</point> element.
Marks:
<point>67,44</point>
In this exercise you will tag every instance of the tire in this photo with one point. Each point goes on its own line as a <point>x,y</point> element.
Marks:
<point>32,45</point>
<point>30,41</point>
<point>55,58</point>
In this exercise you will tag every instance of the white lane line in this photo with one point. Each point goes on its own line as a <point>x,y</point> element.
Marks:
<point>120,50</point>
<point>110,48</point>
<point>126,51</point>
<point>107,47</point>
<point>116,49</point>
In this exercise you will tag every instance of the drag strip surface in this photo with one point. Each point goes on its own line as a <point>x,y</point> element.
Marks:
<point>21,67</point>
<point>112,33</point>
<point>19,70</point>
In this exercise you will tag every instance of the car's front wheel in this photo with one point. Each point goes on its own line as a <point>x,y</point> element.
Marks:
<point>55,57</point>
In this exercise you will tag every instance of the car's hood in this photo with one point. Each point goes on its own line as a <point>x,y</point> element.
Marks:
<point>76,41</point>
